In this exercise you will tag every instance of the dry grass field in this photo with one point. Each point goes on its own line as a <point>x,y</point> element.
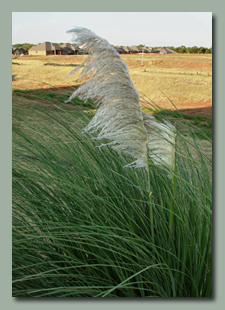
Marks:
<point>185,79</point>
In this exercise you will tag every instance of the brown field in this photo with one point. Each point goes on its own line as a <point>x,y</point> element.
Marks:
<point>185,79</point>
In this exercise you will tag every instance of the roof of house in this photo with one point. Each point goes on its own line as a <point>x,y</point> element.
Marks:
<point>134,48</point>
<point>20,49</point>
<point>46,46</point>
<point>119,49</point>
<point>170,51</point>
<point>149,49</point>
<point>145,50</point>
<point>69,45</point>
<point>125,48</point>
<point>161,50</point>
<point>164,50</point>
<point>68,49</point>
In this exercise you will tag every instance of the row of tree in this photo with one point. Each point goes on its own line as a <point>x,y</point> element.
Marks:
<point>181,49</point>
<point>25,46</point>
<point>186,50</point>
<point>192,50</point>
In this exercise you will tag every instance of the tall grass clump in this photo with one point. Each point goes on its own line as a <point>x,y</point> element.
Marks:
<point>111,201</point>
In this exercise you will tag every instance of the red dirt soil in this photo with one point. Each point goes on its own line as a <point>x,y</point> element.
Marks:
<point>190,108</point>
<point>205,111</point>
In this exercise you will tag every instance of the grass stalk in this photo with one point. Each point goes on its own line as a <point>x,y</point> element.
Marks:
<point>172,202</point>
<point>151,210</point>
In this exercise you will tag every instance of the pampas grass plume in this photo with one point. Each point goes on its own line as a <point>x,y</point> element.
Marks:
<point>119,118</point>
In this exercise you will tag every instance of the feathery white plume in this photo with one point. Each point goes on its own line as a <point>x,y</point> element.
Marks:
<point>161,139</point>
<point>119,118</point>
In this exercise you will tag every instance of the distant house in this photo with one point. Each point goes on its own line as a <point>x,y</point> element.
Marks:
<point>125,49</point>
<point>163,50</point>
<point>148,49</point>
<point>120,50</point>
<point>169,51</point>
<point>18,51</point>
<point>145,50</point>
<point>157,51</point>
<point>71,49</point>
<point>131,51</point>
<point>47,48</point>
<point>135,49</point>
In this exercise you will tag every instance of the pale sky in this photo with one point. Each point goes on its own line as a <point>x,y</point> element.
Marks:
<point>118,28</point>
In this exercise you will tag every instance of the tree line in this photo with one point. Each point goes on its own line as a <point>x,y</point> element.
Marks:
<point>186,50</point>
<point>181,49</point>
<point>192,50</point>
<point>25,46</point>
